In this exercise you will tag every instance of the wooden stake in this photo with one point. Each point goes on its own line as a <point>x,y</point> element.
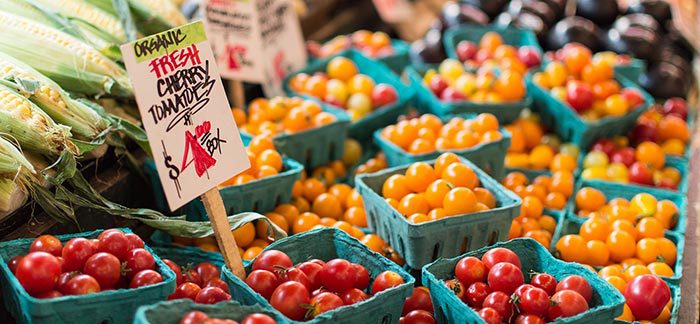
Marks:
<point>237,93</point>
<point>219,221</point>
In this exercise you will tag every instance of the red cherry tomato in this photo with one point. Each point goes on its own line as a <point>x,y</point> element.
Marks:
<point>192,276</point>
<point>545,282</point>
<point>12,264</point>
<point>420,299</point>
<point>49,294</point>
<point>115,243</point>
<point>135,242</point>
<point>500,302</point>
<point>76,252</point>
<point>179,279</point>
<point>418,316</point>
<point>566,303</point>
<point>290,298</point>
<point>457,287</point>
<point>383,94</point>
<point>293,274</point>
<point>194,317</point>
<point>258,318</point>
<point>646,296</point>
<point>577,284</point>
<point>81,284</point>
<point>361,276</point>
<point>105,268</point>
<point>470,270</point>
<point>139,259</point>
<point>490,315</point>
<point>207,271</point>
<point>505,277</point>
<point>107,231</point>
<point>354,295</point>
<point>218,283</point>
<point>521,290</point>
<point>534,301</point>
<point>145,278</point>
<point>529,319</point>
<point>386,280</point>
<point>337,275</point>
<point>211,295</point>
<point>38,272</point>
<point>498,255</point>
<point>47,243</point>
<point>319,262</point>
<point>63,279</point>
<point>263,282</point>
<point>186,290</point>
<point>270,260</point>
<point>476,293</point>
<point>311,270</point>
<point>324,302</point>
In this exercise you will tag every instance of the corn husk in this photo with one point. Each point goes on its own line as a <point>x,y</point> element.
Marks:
<point>82,10</point>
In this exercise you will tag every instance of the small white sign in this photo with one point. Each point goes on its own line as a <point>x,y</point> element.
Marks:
<point>195,142</point>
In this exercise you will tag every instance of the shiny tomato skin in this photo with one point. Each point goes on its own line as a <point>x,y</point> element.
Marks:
<point>498,255</point>
<point>289,298</point>
<point>135,242</point>
<point>566,303</point>
<point>293,274</point>
<point>47,243</point>
<point>49,294</point>
<point>271,259</point>
<point>577,284</point>
<point>179,278</point>
<point>258,318</point>
<point>353,296</point>
<point>218,283</point>
<point>420,299</point>
<point>192,276</point>
<point>386,280</point>
<point>194,317</point>
<point>186,290</point>
<point>38,272</point>
<point>311,270</point>
<point>476,293</point>
<point>82,284</point>
<point>418,316</point>
<point>490,315</point>
<point>361,276</point>
<point>546,282</point>
<point>63,279</point>
<point>458,288</point>
<point>500,302</point>
<point>211,295</point>
<point>263,282</point>
<point>325,302</point>
<point>115,243</point>
<point>145,278</point>
<point>105,268</point>
<point>207,271</point>
<point>529,319</point>
<point>139,259</point>
<point>534,301</point>
<point>470,270</point>
<point>337,275</point>
<point>646,296</point>
<point>12,264</point>
<point>505,277</point>
<point>75,253</point>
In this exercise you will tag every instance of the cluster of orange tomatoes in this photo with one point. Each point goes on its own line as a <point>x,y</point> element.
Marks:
<point>281,115</point>
<point>265,161</point>
<point>532,148</point>
<point>452,82</point>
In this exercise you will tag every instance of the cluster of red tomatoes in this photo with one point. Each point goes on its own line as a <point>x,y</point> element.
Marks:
<point>114,260</point>
<point>197,317</point>
<point>418,308</point>
<point>202,283</point>
<point>313,287</point>
<point>494,286</point>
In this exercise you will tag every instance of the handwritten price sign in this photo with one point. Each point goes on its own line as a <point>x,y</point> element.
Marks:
<point>193,136</point>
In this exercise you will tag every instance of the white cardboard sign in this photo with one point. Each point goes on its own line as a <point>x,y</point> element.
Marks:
<point>195,142</point>
<point>261,37</point>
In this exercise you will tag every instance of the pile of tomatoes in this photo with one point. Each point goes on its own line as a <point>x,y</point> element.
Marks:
<point>665,125</point>
<point>281,115</point>
<point>430,192</point>
<point>342,85</point>
<point>585,82</point>
<point>311,288</point>
<point>494,286</point>
<point>614,160</point>
<point>113,260</point>
<point>265,161</point>
<point>418,308</point>
<point>427,133</point>
<point>532,148</point>
<point>452,82</point>
<point>372,44</point>
<point>197,317</point>
<point>201,283</point>
<point>492,51</point>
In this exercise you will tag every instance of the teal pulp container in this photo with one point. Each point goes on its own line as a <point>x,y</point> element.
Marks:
<point>316,146</point>
<point>422,243</point>
<point>426,101</point>
<point>488,156</point>
<point>261,195</point>
<point>606,302</point>
<point>112,306</point>
<point>170,312</point>
<point>561,118</point>
<point>362,129</point>
<point>631,71</point>
<point>473,33</point>
<point>327,244</point>
<point>572,225</point>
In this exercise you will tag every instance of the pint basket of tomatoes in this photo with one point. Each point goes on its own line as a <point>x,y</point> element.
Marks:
<point>478,138</point>
<point>518,278</point>
<point>178,311</point>
<point>500,44</point>
<point>368,90</point>
<point>356,284</point>
<point>437,208</point>
<point>73,286</point>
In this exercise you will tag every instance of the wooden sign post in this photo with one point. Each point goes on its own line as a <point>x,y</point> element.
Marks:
<point>194,139</point>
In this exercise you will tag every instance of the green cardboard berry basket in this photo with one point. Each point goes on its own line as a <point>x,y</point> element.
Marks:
<point>675,311</point>
<point>572,225</point>
<point>631,71</point>
<point>473,33</point>
<point>170,312</point>
<point>316,146</point>
<point>426,101</point>
<point>326,244</point>
<point>362,129</point>
<point>112,306</point>
<point>567,123</point>
<point>488,156</point>
<point>606,302</point>
<point>421,244</point>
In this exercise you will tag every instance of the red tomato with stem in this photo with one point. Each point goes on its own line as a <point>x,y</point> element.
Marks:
<point>269,260</point>
<point>105,268</point>
<point>646,296</point>
<point>577,284</point>
<point>179,279</point>
<point>386,280</point>
<point>211,295</point>
<point>186,290</point>
<point>311,270</point>
<point>263,282</point>
<point>353,296</point>
<point>419,299</point>
<point>337,275</point>
<point>534,301</point>
<point>500,302</point>
<point>545,282</point>
<point>505,277</point>
<point>38,272</point>
<point>47,243</point>
<point>145,278</point>
<point>490,315</point>
<point>81,284</point>
<point>566,303</point>
<point>521,290</point>
<point>361,276</point>
<point>470,270</point>
<point>115,243</point>
<point>293,274</point>
<point>289,298</point>
<point>63,279</point>
<point>457,287</point>
<point>192,276</point>
<point>76,252</point>
<point>476,293</point>
<point>498,255</point>
<point>207,271</point>
<point>135,242</point>
<point>324,302</point>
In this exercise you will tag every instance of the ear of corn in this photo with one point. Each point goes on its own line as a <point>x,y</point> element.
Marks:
<point>79,9</point>
<point>84,122</point>
<point>12,197</point>
<point>61,57</point>
<point>154,16</point>
<point>15,173</point>
<point>35,131</point>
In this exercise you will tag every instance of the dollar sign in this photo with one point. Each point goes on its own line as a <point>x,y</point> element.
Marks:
<point>174,171</point>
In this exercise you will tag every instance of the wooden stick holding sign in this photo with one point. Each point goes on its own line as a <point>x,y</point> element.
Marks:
<point>237,93</point>
<point>197,145</point>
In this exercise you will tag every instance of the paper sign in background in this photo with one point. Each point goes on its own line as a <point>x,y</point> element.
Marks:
<point>195,142</point>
